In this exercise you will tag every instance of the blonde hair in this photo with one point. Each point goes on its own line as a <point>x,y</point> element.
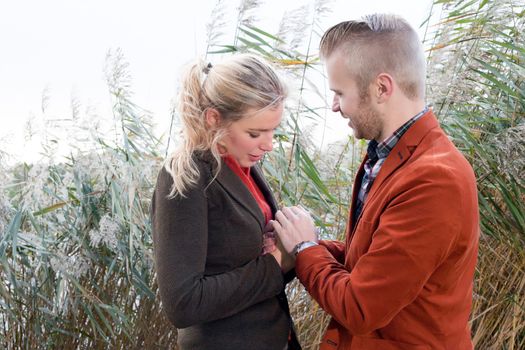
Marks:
<point>241,84</point>
<point>380,43</point>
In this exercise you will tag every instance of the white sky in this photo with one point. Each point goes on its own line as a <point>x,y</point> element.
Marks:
<point>60,46</point>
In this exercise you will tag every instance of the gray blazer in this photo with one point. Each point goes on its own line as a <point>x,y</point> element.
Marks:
<point>215,286</point>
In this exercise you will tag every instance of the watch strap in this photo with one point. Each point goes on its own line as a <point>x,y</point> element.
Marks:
<point>303,245</point>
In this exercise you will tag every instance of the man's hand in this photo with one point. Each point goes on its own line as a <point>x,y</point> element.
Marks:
<point>294,225</point>
<point>285,260</point>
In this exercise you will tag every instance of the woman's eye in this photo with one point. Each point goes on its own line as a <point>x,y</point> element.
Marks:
<point>253,135</point>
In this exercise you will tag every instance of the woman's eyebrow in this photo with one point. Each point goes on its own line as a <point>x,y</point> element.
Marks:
<point>256,129</point>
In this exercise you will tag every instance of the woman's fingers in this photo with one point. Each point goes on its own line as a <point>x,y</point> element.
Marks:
<point>269,243</point>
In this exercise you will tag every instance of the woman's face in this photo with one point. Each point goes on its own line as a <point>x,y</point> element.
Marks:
<point>248,139</point>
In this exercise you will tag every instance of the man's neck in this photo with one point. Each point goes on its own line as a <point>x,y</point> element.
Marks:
<point>399,116</point>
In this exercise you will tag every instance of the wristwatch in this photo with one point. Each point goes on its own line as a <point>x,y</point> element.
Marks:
<point>301,246</point>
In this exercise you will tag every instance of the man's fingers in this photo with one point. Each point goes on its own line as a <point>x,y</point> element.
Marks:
<point>289,212</point>
<point>299,212</point>
<point>282,218</point>
<point>296,211</point>
<point>303,210</point>
<point>269,226</point>
<point>276,224</point>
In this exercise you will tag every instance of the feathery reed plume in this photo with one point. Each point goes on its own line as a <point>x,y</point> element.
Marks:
<point>215,26</point>
<point>478,87</point>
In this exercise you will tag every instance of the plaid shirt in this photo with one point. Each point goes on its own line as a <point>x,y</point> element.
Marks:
<point>377,154</point>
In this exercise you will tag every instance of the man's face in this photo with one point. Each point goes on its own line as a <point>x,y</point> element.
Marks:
<point>353,104</point>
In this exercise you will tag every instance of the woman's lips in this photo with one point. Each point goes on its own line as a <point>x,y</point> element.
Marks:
<point>255,158</point>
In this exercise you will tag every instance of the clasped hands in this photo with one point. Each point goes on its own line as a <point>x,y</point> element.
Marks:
<point>292,225</point>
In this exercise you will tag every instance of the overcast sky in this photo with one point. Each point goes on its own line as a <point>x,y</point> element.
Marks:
<point>59,46</point>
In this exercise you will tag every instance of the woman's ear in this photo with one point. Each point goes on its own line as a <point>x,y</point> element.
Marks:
<point>213,117</point>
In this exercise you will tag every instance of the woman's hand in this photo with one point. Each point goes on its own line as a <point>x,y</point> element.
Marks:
<point>269,242</point>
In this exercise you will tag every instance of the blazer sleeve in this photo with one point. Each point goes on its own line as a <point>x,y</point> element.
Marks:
<point>180,232</point>
<point>336,248</point>
<point>416,232</point>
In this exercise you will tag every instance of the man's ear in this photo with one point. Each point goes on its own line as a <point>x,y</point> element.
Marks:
<point>384,87</point>
<point>213,117</point>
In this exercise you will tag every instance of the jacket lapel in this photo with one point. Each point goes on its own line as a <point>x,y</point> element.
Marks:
<point>355,192</point>
<point>404,148</point>
<point>239,192</point>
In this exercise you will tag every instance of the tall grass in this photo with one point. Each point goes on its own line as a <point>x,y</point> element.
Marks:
<point>477,75</point>
<point>75,245</point>
<point>76,265</point>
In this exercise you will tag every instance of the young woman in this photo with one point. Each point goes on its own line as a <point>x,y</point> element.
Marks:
<point>219,286</point>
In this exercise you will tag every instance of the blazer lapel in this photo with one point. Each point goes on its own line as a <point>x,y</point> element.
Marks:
<point>239,192</point>
<point>351,222</point>
<point>404,148</point>
<point>355,192</point>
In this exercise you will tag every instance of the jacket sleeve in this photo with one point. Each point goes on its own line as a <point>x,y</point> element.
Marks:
<point>416,232</point>
<point>180,233</point>
<point>336,248</point>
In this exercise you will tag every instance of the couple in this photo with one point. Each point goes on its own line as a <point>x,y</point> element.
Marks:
<point>402,279</point>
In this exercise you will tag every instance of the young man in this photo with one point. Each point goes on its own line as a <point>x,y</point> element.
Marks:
<point>403,278</point>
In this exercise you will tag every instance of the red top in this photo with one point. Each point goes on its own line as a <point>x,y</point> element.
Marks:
<point>247,179</point>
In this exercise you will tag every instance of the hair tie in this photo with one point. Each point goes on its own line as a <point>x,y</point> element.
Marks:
<point>206,69</point>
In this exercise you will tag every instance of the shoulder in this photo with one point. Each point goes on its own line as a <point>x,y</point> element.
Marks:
<point>439,174</point>
<point>204,165</point>
<point>440,158</point>
<point>435,167</point>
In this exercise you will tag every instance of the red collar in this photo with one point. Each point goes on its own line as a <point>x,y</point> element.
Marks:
<point>235,166</point>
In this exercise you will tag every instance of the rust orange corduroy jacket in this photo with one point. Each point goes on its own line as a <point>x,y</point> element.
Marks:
<point>403,278</point>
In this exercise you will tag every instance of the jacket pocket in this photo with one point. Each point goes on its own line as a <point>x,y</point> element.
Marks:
<point>330,339</point>
<point>362,343</point>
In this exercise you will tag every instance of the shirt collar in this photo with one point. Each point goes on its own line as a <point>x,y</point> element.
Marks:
<point>379,150</point>
<point>234,165</point>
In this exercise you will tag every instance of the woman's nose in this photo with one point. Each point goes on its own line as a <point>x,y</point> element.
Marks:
<point>335,104</point>
<point>267,145</point>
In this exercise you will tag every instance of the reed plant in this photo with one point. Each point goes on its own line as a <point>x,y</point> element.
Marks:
<point>75,249</point>
<point>477,83</point>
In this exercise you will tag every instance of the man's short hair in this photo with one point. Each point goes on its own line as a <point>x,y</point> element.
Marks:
<point>380,43</point>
